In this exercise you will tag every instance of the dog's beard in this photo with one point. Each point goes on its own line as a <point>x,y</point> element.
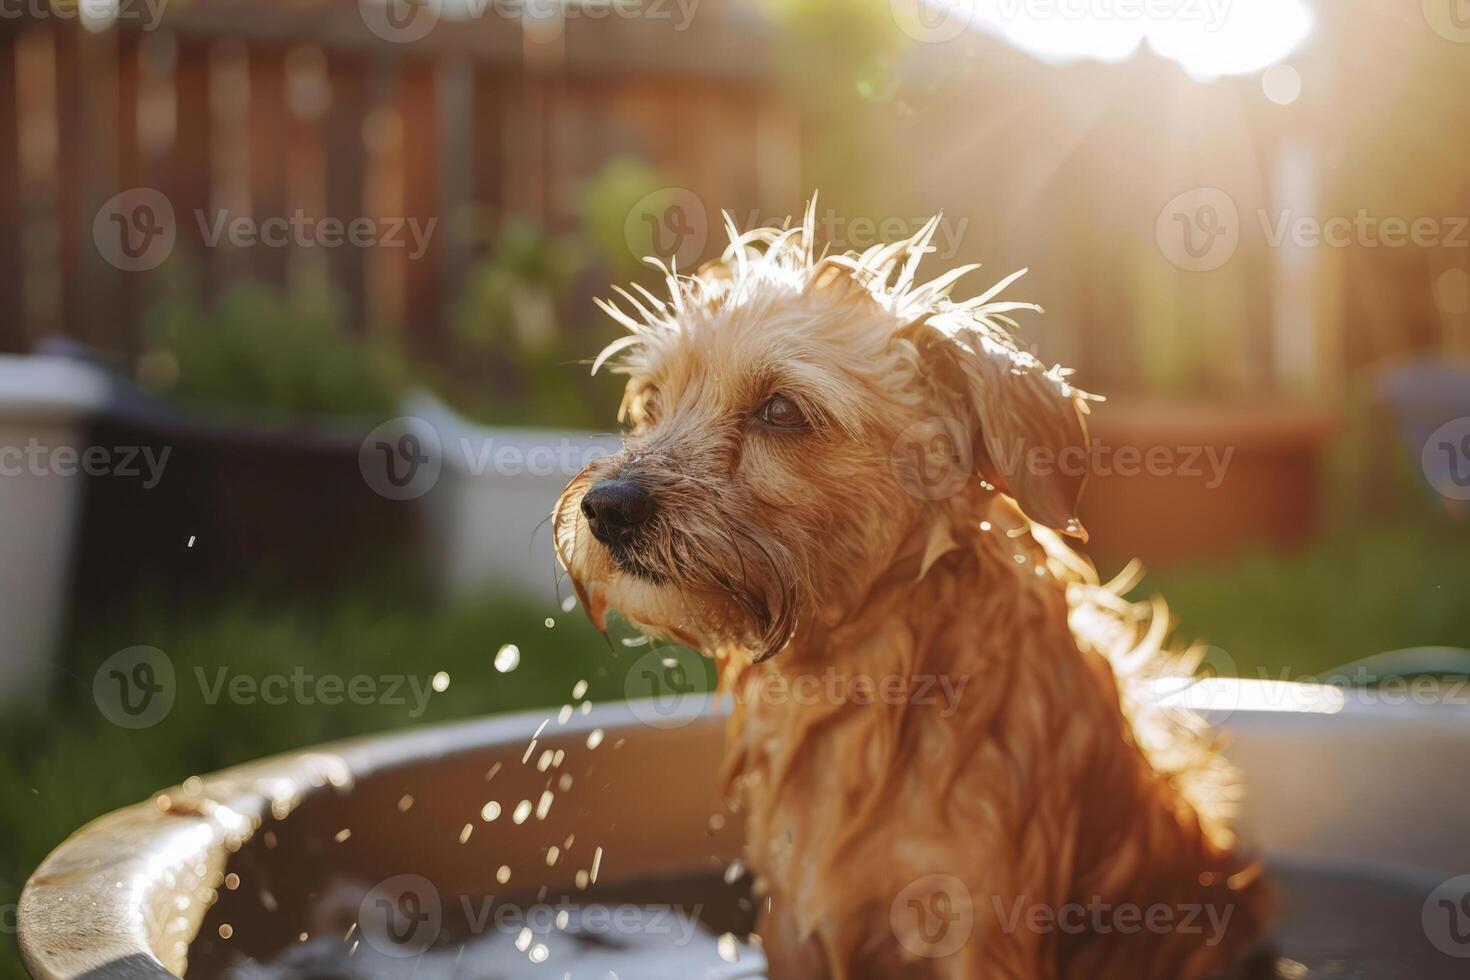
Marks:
<point>699,574</point>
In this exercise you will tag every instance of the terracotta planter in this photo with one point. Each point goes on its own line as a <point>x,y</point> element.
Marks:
<point>319,842</point>
<point>1179,482</point>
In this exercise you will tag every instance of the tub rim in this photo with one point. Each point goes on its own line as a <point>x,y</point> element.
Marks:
<point>102,931</point>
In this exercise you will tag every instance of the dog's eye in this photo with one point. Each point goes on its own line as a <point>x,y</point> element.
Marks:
<point>781,412</point>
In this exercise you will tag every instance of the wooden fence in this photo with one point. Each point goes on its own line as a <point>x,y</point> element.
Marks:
<point>274,109</point>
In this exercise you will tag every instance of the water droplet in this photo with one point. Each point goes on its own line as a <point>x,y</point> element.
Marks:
<point>539,953</point>
<point>728,950</point>
<point>464,835</point>
<point>508,658</point>
<point>404,802</point>
<point>440,682</point>
<point>503,875</point>
<point>226,930</point>
<point>490,811</point>
<point>522,811</point>
<point>579,691</point>
<point>594,738</point>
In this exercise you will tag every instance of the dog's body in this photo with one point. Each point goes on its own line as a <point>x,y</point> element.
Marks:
<point>977,782</point>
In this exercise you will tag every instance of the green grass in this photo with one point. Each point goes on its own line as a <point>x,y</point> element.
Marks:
<point>1363,592</point>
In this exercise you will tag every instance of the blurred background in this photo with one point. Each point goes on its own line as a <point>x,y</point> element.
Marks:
<point>296,303</point>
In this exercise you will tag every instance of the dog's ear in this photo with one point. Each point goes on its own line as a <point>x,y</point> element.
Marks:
<point>1026,423</point>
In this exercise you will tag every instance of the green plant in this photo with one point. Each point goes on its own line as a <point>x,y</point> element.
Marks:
<point>609,214</point>
<point>258,351</point>
<point>517,354</point>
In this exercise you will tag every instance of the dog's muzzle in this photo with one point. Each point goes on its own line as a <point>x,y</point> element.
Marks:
<point>617,512</point>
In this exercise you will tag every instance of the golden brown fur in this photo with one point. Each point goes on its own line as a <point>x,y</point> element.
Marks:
<point>1049,777</point>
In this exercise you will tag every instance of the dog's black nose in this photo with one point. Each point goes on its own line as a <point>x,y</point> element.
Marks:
<point>616,510</point>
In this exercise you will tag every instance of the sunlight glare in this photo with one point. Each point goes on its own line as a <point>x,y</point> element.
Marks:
<point>1208,38</point>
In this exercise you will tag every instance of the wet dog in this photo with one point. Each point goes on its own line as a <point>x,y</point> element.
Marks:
<point>851,491</point>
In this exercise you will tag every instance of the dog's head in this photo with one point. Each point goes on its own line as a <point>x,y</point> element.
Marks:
<point>794,426</point>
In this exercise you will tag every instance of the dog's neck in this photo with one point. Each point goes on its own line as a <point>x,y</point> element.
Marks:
<point>999,712</point>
